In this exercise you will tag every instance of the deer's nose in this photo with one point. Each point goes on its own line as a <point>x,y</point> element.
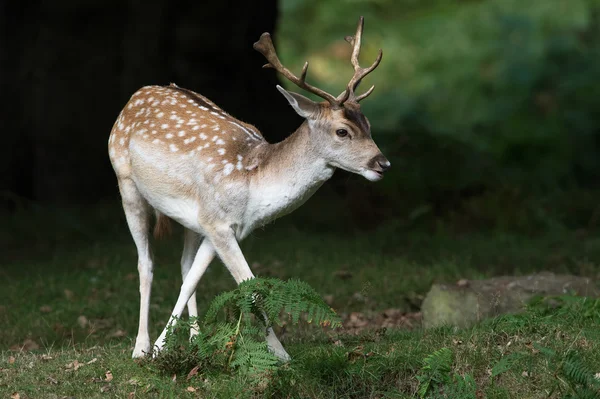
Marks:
<point>384,164</point>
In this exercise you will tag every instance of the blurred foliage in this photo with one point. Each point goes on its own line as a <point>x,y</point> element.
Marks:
<point>471,95</point>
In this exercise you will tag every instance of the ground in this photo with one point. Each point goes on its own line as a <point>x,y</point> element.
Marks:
<point>69,308</point>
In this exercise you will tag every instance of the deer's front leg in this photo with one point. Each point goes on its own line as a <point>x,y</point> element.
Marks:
<point>229,251</point>
<point>203,257</point>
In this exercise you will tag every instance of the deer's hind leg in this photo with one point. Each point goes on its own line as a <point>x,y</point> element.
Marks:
<point>191,243</point>
<point>137,213</point>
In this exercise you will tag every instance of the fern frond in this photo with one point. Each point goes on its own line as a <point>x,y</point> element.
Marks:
<point>506,363</point>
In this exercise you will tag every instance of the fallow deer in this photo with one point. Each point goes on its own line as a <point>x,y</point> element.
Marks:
<point>176,152</point>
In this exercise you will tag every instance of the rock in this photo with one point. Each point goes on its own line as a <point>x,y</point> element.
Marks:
<point>470,301</point>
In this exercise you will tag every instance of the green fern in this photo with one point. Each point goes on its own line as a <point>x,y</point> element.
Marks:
<point>437,381</point>
<point>229,337</point>
<point>580,379</point>
<point>506,363</point>
<point>435,371</point>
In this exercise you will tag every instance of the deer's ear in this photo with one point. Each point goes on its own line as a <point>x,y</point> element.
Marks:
<point>305,107</point>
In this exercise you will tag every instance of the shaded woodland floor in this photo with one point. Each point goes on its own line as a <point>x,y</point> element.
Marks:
<point>69,309</point>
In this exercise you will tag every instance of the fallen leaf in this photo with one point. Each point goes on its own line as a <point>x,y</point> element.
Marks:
<point>11,360</point>
<point>82,321</point>
<point>94,360</point>
<point>74,365</point>
<point>117,334</point>
<point>131,395</point>
<point>343,274</point>
<point>174,378</point>
<point>192,373</point>
<point>15,395</point>
<point>190,389</point>
<point>27,345</point>
<point>68,294</point>
<point>46,357</point>
<point>109,376</point>
<point>133,381</point>
<point>45,309</point>
<point>462,283</point>
<point>51,380</point>
<point>105,388</point>
<point>525,374</point>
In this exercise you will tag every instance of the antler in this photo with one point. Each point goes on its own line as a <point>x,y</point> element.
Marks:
<point>265,46</point>
<point>359,73</point>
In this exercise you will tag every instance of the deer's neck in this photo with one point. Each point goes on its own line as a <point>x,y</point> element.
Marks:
<point>290,172</point>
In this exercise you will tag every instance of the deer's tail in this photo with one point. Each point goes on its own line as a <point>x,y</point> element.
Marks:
<point>162,228</point>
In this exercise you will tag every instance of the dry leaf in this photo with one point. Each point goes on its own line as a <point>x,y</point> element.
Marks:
<point>68,294</point>
<point>462,283</point>
<point>11,360</point>
<point>133,381</point>
<point>118,334</point>
<point>109,376</point>
<point>174,378</point>
<point>190,389</point>
<point>105,388</point>
<point>131,395</point>
<point>51,380</point>
<point>47,357</point>
<point>27,345</point>
<point>82,321</point>
<point>94,360</point>
<point>343,274</point>
<point>74,365</point>
<point>192,372</point>
<point>525,374</point>
<point>45,309</point>
<point>15,395</point>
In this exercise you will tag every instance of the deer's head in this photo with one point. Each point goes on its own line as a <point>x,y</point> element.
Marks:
<point>338,124</point>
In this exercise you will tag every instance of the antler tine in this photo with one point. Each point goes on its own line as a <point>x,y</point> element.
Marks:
<point>359,73</point>
<point>265,46</point>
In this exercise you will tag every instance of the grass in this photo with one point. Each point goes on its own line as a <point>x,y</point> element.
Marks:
<point>69,301</point>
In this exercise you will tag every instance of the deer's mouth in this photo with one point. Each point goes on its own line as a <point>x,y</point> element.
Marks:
<point>372,174</point>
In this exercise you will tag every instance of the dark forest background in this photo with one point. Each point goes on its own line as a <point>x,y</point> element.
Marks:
<point>488,109</point>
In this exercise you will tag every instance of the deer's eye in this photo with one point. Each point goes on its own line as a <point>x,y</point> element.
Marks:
<point>341,132</point>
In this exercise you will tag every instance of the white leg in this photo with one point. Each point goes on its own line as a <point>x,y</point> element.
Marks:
<point>136,212</point>
<point>203,257</point>
<point>230,253</point>
<point>191,243</point>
